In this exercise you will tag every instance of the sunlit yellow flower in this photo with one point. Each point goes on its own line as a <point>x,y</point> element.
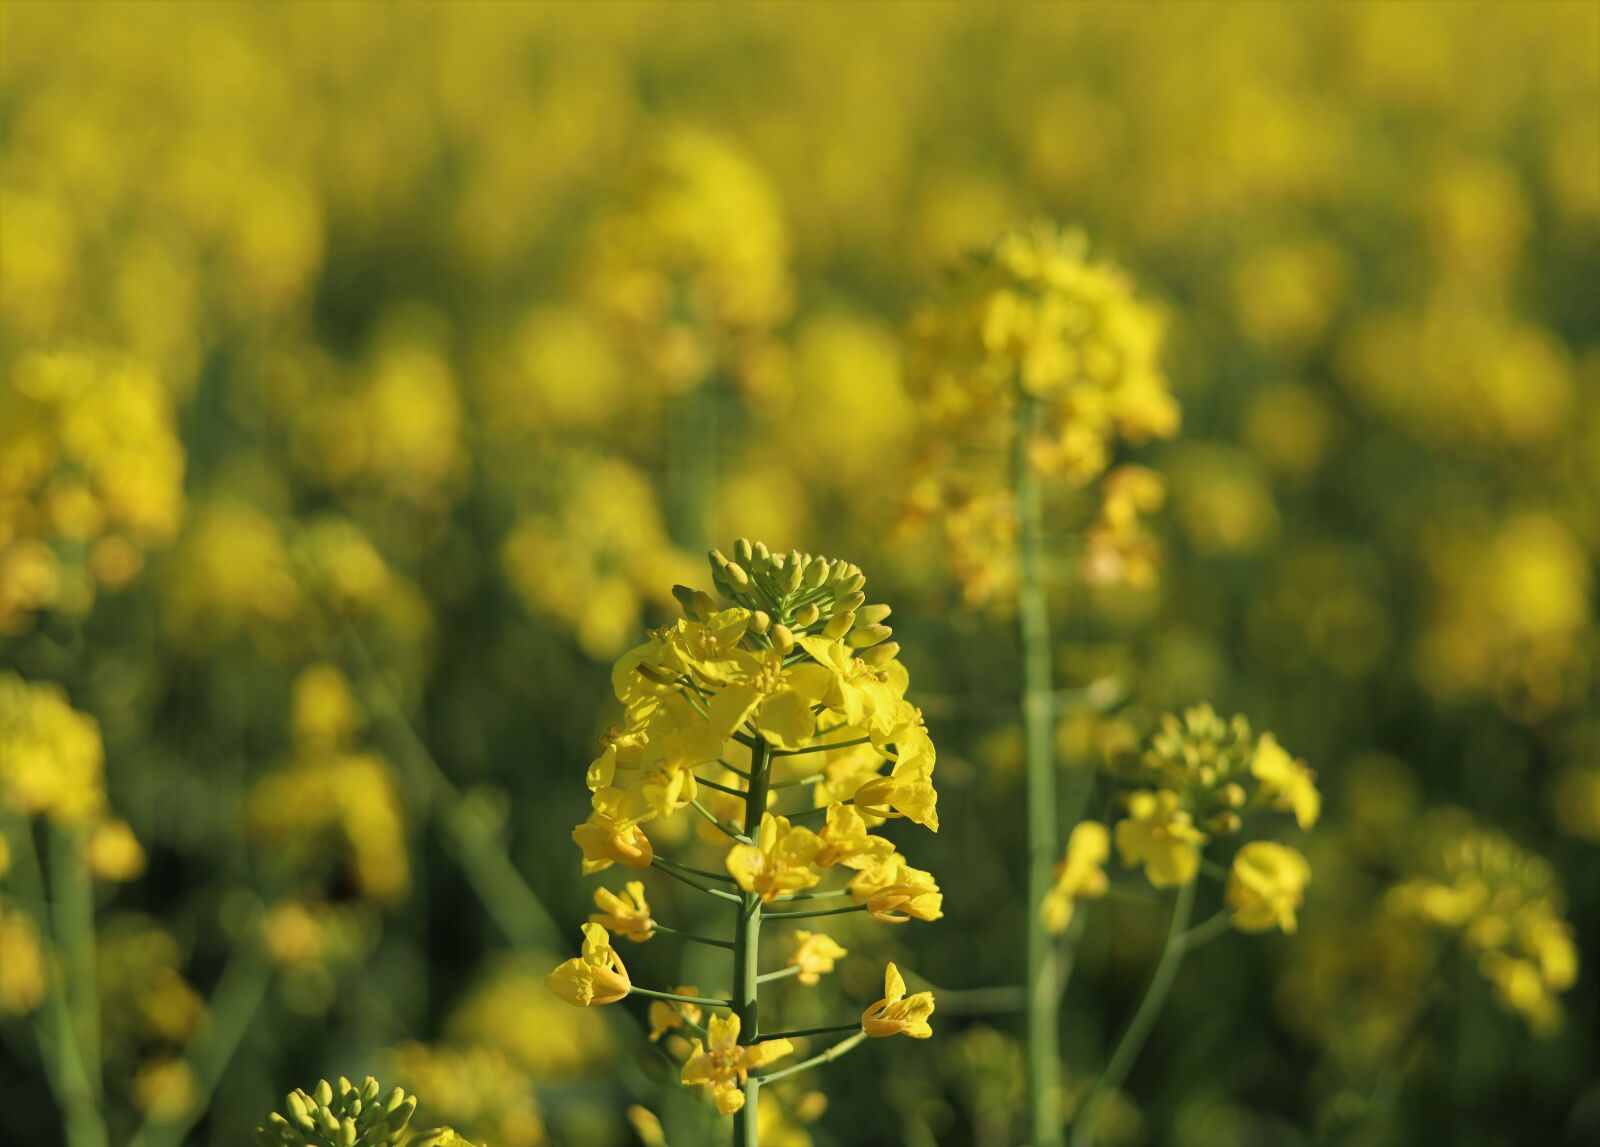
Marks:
<point>706,649</point>
<point>894,892</point>
<point>596,977</point>
<point>814,954</point>
<point>779,861</point>
<point>723,1066</point>
<point>1160,836</point>
<point>896,1013</point>
<point>1286,782</point>
<point>1265,886</point>
<point>627,915</point>
<point>672,1016</point>
<point>846,841</point>
<point>611,836</point>
<point>775,700</point>
<point>907,791</point>
<point>1081,876</point>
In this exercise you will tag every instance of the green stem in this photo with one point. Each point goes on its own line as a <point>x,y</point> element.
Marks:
<point>729,789</point>
<point>1144,1018</point>
<point>1038,729</point>
<point>747,949</point>
<point>780,974</point>
<point>800,1033</point>
<point>831,1054</point>
<point>229,1013</point>
<point>65,1069</point>
<point>72,913</point>
<point>816,912</point>
<point>821,748</point>
<point>695,884</point>
<point>724,829</point>
<point>1207,931</point>
<point>657,926</point>
<point>674,997</point>
<point>690,870</point>
<point>831,894</point>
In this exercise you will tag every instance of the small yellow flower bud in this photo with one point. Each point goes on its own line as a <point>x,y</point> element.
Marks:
<point>790,581</point>
<point>839,625</point>
<point>854,582</point>
<point>807,614</point>
<point>1233,795</point>
<point>871,614</point>
<point>782,639</point>
<point>742,549</point>
<point>760,622</point>
<point>817,572</point>
<point>863,636</point>
<point>881,654</point>
<point>760,551</point>
<point>853,601</point>
<point>736,576</point>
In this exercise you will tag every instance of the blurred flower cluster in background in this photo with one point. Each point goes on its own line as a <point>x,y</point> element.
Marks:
<point>372,373</point>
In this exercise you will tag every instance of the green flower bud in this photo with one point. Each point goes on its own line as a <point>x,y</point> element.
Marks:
<point>817,572</point>
<point>807,614</point>
<point>736,576</point>
<point>782,639</point>
<point>853,601</point>
<point>871,614</point>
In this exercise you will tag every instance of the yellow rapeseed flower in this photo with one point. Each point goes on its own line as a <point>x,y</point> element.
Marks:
<point>1288,783</point>
<point>1161,836</point>
<point>897,1013</point>
<point>1080,876</point>
<point>596,977</point>
<point>722,1065</point>
<point>814,954</point>
<point>626,915</point>
<point>779,861</point>
<point>1265,886</point>
<point>895,892</point>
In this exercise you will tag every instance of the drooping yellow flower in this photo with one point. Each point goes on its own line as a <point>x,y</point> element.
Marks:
<point>667,1017</point>
<point>1266,885</point>
<point>1160,836</point>
<point>895,892</point>
<point>596,977</point>
<point>1288,783</point>
<point>846,841</point>
<point>814,954</point>
<point>611,836</point>
<point>723,1067</point>
<point>907,791</point>
<point>1081,876</point>
<point>896,1013</point>
<point>776,700</point>
<point>626,915</point>
<point>779,861</point>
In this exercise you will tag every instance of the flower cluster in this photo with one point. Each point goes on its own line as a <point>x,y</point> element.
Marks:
<point>787,682</point>
<point>1200,778</point>
<point>345,1115</point>
<point>1506,907</point>
<point>91,479</point>
<point>1034,326</point>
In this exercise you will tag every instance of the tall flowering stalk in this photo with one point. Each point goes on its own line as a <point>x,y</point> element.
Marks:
<point>778,702</point>
<point>1039,353</point>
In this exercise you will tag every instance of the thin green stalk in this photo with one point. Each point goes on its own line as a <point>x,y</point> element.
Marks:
<point>657,926</point>
<point>816,912</point>
<point>712,817</point>
<point>1038,730</point>
<point>832,1029</point>
<point>821,749</point>
<point>729,789</point>
<point>828,1056</point>
<point>674,997</point>
<point>65,1069</point>
<point>747,949</point>
<point>1144,1018</point>
<point>72,915</point>
<point>690,870</point>
<point>232,1008</point>
<point>695,884</point>
<point>1207,931</point>
<point>780,974</point>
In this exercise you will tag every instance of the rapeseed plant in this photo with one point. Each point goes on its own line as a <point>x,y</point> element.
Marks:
<point>786,681</point>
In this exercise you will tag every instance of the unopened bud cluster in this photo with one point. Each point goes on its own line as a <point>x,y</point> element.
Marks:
<point>791,594</point>
<point>341,1115</point>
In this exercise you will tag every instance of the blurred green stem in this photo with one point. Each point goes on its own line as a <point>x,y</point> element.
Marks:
<point>72,912</point>
<point>66,1069</point>
<point>229,1013</point>
<point>1144,1018</point>
<point>691,463</point>
<point>1038,722</point>
<point>747,949</point>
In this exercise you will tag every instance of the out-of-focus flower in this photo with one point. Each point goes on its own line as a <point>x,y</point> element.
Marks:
<point>1080,876</point>
<point>1160,836</point>
<point>22,966</point>
<point>814,954</point>
<point>1265,886</point>
<point>50,753</point>
<point>114,852</point>
<point>476,1088</point>
<point>627,914</point>
<point>670,1016</point>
